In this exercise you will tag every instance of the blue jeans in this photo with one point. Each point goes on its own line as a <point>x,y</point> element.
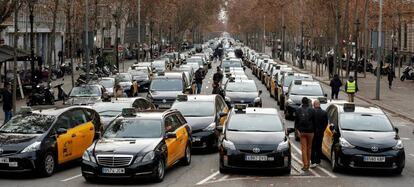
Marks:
<point>7,115</point>
<point>199,85</point>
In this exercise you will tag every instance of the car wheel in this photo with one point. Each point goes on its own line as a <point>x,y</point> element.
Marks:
<point>223,169</point>
<point>47,165</point>
<point>160,171</point>
<point>282,104</point>
<point>402,78</point>
<point>334,163</point>
<point>287,170</point>
<point>186,160</point>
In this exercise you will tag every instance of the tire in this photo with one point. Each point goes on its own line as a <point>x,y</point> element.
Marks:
<point>402,77</point>
<point>287,170</point>
<point>47,165</point>
<point>186,160</point>
<point>334,164</point>
<point>223,169</point>
<point>282,103</point>
<point>159,172</point>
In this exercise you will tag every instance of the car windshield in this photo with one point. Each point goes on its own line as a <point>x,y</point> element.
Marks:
<point>86,91</point>
<point>231,63</point>
<point>310,90</point>
<point>124,78</point>
<point>159,65</point>
<point>195,109</point>
<point>28,124</point>
<point>134,128</point>
<point>241,87</point>
<point>166,85</point>
<point>197,61</point>
<point>262,123</point>
<point>107,83</point>
<point>365,122</point>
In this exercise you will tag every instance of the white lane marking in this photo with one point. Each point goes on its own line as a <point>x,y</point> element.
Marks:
<point>322,169</point>
<point>70,178</point>
<point>411,155</point>
<point>223,178</point>
<point>206,87</point>
<point>208,178</point>
<point>402,138</point>
<point>400,125</point>
<point>311,170</point>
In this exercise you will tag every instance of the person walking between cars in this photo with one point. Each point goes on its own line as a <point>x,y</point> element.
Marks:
<point>7,102</point>
<point>305,128</point>
<point>391,76</point>
<point>199,76</point>
<point>320,123</point>
<point>351,88</point>
<point>335,84</point>
<point>217,78</point>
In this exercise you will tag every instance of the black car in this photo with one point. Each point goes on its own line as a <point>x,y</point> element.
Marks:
<point>165,87</point>
<point>203,113</point>
<point>238,91</point>
<point>254,138</point>
<point>137,145</point>
<point>362,137</point>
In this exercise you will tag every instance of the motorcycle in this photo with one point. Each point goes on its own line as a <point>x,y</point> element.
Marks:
<point>408,74</point>
<point>43,95</point>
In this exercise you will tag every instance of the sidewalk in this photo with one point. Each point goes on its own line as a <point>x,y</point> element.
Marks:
<point>396,100</point>
<point>67,86</point>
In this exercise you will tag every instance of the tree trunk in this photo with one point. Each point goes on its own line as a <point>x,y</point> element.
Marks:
<point>52,39</point>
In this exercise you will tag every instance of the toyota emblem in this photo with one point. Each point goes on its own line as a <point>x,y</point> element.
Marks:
<point>256,150</point>
<point>164,101</point>
<point>242,101</point>
<point>1,151</point>
<point>374,149</point>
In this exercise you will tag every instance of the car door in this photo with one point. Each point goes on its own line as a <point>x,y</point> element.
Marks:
<point>222,107</point>
<point>182,136</point>
<point>94,117</point>
<point>328,134</point>
<point>65,142</point>
<point>84,131</point>
<point>172,143</point>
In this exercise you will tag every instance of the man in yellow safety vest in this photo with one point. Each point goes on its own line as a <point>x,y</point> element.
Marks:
<point>351,88</point>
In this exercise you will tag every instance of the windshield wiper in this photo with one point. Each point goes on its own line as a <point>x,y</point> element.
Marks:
<point>233,130</point>
<point>259,131</point>
<point>345,129</point>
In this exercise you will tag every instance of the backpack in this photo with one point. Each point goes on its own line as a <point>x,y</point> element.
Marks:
<point>303,115</point>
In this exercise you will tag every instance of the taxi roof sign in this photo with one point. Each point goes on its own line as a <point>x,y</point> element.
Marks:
<point>323,100</point>
<point>349,107</point>
<point>298,82</point>
<point>160,73</point>
<point>240,108</point>
<point>182,98</point>
<point>128,112</point>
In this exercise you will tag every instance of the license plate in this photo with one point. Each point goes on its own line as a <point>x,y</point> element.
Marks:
<point>374,159</point>
<point>113,170</point>
<point>13,164</point>
<point>196,139</point>
<point>164,106</point>
<point>4,160</point>
<point>258,158</point>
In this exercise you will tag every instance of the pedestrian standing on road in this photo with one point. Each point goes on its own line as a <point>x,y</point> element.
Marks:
<point>335,84</point>
<point>320,123</point>
<point>118,91</point>
<point>351,87</point>
<point>305,128</point>
<point>199,76</point>
<point>7,102</point>
<point>391,76</point>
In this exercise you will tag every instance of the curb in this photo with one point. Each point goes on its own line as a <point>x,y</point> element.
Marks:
<point>403,116</point>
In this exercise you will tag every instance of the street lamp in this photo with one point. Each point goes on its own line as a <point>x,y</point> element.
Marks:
<point>357,23</point>
<point>32,56</point>
<point>392,52</point>
<point>301,45</point>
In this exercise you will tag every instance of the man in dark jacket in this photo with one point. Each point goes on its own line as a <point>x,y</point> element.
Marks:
<point>199,76</point>
<point>305,116</point>
<point>335,84</point>
<point>320,122</point>
<point>7,102</point>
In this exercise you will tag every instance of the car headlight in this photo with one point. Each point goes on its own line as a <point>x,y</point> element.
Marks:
<point>257,100</point>
<point>88,157</point>
<point>344,143</point>
<point>227,99</point>
<point>228,145</point>
<point>283,145</point>
<point>399,145</point>
<point>290,102</point>
<point>210,127</point>
<point>149,156</point>
<point>32,147</point>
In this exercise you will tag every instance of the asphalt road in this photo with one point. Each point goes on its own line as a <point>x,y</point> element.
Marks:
<point>203,170</point>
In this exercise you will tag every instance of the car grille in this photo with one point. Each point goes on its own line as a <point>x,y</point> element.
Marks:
<point>8,152</point>
<point>166,100</point>
<point>114,160</point>
<point>369,150</point>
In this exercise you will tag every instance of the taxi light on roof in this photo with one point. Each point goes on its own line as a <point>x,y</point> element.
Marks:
<point>323,100</point>
<point>290,73</point>
<point>25,110</point>
<point>232,79</point>
<point>349,107</point>
<point>160,73</point>
<point>128,112</point>
<point>298,82</point>
<point>182,98</point>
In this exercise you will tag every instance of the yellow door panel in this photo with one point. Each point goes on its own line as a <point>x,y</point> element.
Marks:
<point>182,138</point>
<point>172,146</point>
<point>84,137</point>
<point>223,119</point>
<point>65,147</point>
<point>327,142</point>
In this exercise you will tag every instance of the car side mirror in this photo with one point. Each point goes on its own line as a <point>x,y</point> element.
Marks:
<point>222,114</point>
<point>219,128</point>
<point>170,135</point>
<point>260,92</point>
<point>290,130</point>
<point>396,130</point>
<point>61,131</point>
<point>326,95</point>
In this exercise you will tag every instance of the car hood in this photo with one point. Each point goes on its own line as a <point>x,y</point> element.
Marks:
<point>297,99</point>
<point>199,123</point>
<point>370,139</point>
<point>165,94</point>
<point>241,139</point>
<point>11,143</point>
<point>125,146</point>
<point>247,97</point>
<point>83,100</point>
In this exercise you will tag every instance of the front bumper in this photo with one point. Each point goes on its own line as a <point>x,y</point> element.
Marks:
<point>160,104</point>
<point>354,158</point>
<point>93,170</point>
<point>21,162</point>
<point>204,139</point>
<point>235,159</point>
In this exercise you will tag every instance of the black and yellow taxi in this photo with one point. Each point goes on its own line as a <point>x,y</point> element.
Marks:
<point>362,137</point>
<point>139,144</point>
<point>203,113</point>
<point>285,82</point>
<point>276,78</point>
<point>39,140</point>
<point>254,138</point>
<point>241,91</point>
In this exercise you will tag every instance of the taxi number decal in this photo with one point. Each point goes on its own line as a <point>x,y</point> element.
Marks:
<point>67,148</point>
